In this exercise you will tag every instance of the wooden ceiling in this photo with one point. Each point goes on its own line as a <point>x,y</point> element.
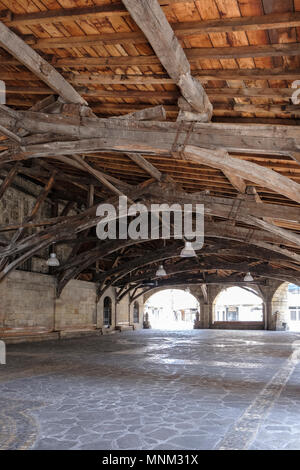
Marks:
<point>244,53</point>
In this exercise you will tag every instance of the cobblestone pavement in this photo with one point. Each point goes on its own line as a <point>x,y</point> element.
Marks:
<point>200,389</point>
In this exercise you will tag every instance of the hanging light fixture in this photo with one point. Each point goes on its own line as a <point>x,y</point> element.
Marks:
<point>188,250</point>
<point>248,277</point>
<point>52,260</point>
<point>161,272</point>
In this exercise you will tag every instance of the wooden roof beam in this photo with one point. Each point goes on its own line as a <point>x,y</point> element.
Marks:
<point>202,75</point>
<point>220,159</point>
<point>34,62</point>
<point>193,55</point>
<point>73,14</point>
<point>86,78</point>
<point>151,19</point>
<point>223,25</point>
<point>237,182</point>
<point>159,138</point>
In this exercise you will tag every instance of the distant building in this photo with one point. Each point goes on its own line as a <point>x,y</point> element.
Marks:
<point>294,305</point>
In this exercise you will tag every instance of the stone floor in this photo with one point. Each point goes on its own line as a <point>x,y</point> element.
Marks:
<point>201,389</point>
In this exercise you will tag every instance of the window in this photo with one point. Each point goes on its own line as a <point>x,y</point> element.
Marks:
<point>107,312</point>
<point>295,313</point>
<point>136,313</point>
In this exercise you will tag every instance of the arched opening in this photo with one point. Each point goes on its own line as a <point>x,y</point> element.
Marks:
<point>172,309</point>
<point>107,312</point>
<point>286,307</point>
<point>136,312</point>
<point>238,307</point>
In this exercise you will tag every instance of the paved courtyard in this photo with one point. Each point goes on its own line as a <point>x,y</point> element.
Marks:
<point>200,389</point>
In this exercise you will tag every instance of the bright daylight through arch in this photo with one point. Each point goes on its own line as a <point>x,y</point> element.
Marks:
<point>236,304</point>
<point>172,309</point>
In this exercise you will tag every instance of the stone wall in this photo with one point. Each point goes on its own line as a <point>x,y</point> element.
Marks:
<point>28,307</point>
<point>27,302</point>
<point>76,308</point>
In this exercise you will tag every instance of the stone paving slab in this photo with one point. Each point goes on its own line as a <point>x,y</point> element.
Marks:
<point>198,389</point>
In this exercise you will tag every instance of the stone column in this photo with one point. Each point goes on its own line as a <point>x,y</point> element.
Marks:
<point>207,316</point>
<point>280,312</point>
<point>270,318</point>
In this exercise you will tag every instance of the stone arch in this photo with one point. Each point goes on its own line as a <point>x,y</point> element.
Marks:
<point>215,295</point>
<point>193,290</point>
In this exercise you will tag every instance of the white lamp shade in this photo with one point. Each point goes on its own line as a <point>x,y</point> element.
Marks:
<point>53,261</point>
<point>188,251</point>
<point>248,278</point>
<point>161,272</point>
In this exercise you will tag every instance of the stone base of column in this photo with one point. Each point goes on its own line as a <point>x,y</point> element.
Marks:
<point>197,325</point>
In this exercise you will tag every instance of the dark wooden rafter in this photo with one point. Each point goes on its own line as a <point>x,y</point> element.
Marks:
<point>43,239</point>
<point>213,206</point>
<point>218,230</point>
<point>97,174</point>
<point>9,179</point>
<point>277,273</point>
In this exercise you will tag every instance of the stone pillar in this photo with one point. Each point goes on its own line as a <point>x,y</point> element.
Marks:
<point>280,313</point>
<point>207,316</point>
<point>274,295</point>
<point>197,322</point>
<point>202,319</point>
<point>270,318</point>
